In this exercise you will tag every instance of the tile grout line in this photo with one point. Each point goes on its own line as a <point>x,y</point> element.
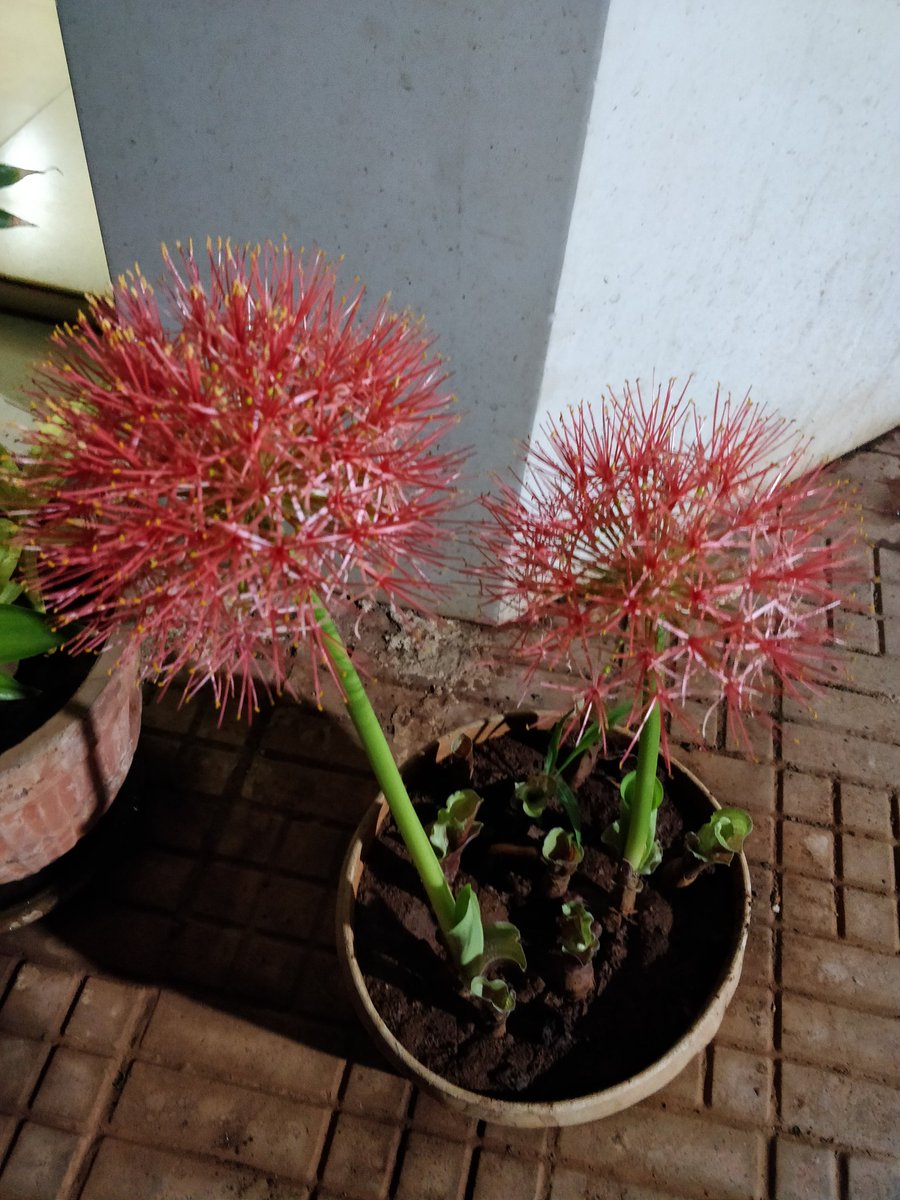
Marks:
<point>838,851</point>
<point>98,1119</point>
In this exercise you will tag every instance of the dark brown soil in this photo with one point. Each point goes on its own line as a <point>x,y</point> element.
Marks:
<point>652,976</point>
<point>56,678</point>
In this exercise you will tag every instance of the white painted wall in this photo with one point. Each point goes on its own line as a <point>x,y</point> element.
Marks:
<point>737,214</point>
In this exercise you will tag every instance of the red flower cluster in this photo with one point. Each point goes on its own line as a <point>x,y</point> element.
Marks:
<point>661,557</point>
<point>202,469</point>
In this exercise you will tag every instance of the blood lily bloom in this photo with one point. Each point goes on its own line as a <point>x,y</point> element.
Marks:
<point>212,477</point>
<point>205,470</point>
<point>663,558</point>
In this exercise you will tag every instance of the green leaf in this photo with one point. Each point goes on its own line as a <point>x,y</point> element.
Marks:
<point>535,793</point>
<point>616,835</point>
<point>553,745</point>
<point>576,929</point>
<point>466,937</point>
<point>496,992</point>
<point>561,848</point>
<point>10,174</point>
<point>25,633</point>
<point>722,836</point>
<point>589,738</point>
<point>502,943</point>
<point>455,824</point>
<point>569,802</point>
<point>9,220</point>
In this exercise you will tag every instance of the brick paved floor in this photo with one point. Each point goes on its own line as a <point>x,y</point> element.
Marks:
<point>177,1031</point>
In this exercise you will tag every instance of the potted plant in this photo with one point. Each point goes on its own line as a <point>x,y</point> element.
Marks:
<point>221,475</point>
<point>657,559</point>
<point>69,733</point>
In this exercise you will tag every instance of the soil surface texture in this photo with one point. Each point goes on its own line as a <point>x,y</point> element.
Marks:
<point>653,972</point>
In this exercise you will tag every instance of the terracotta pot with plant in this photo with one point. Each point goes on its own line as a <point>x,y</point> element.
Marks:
<point>69,731</point>
<point>654,559</point>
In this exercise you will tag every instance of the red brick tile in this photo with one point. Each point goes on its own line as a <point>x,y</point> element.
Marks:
<point>525,1143</point>
<point>266,968</point>
<point>735,781</point>
<point>206,769</point>
<point>38,1163</point>
<point>37,1001</point>
<point>434,1118</point>
<point>857,630</point>
<point>72,1085</point>
<point>681,1153</point>
<point>763,891</point>
<point>809,904</point>
<point>303,791</point>
<point>846,974</point>
<point>569,1183</point>
<point>155,879</point>
<point>686,1089</point>
<point>871,918</point>
<point>361,1158</point>
<point>223,726</point>
<point>760,845</point>
<point>759,957</point>
<point>184,1033</point>
<point>828,1106</point>
<point>202,954</point>
<point>306,732</point>
<point>807,798</point>
<point>816,748</point>
<point>308,848</point>
<point>433,1169</point>
<point>102,1015</point>
<point>857,1042</point>
<point>22,1059</point>
<point>804,1172</point>
<point>873,673</point>
<point>807,849</point>
<point>872,1180</point>
<point>866,810</point>
<point>501,1175</point>
<point>758,734</point>
<point>164,713</point>
<point>374,1093</point>
<point>7,1129</point>
<point>203,1116</point>
<point>748,1019</point>
<point>178,821</point>
<point>288,906</point>
<point>125,1171</point>
<point>742,1086</point>
<point>250,834</point>
<point>867,862</point>
<point>848,711</point>
<point>227,892</point>
<point>323,993</point>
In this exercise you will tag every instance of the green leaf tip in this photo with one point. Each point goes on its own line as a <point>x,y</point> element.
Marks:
<point>721,837</point>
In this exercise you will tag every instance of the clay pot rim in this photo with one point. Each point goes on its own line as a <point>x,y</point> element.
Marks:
<point>533,1114</point>
<point>76,708</point>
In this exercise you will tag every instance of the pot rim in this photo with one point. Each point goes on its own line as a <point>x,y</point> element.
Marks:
<point>577,1109</point>
<point>114,656</point>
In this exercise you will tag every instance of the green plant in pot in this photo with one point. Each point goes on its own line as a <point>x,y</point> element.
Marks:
<point>651,559</point>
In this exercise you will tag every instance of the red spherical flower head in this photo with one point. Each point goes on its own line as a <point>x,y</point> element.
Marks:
<point>663,557</point>
<point>205,466</point>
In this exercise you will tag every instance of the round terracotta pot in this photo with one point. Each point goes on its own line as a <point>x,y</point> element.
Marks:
<point>57,783</point>
<point>578,1109</point>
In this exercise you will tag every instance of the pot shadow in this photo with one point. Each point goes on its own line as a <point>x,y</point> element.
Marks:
<point>214,872</point>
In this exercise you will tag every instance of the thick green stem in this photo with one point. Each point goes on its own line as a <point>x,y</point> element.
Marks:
<point>644,786</point>
<point>386,772</point>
